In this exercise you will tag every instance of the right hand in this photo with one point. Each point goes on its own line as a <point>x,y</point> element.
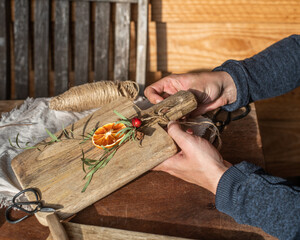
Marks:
<point>198,161</point>
<point>212,89</point>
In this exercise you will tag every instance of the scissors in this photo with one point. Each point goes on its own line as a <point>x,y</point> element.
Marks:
<point>222,123</point>
<point>19,205</point>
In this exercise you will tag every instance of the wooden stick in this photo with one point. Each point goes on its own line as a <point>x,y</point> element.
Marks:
<point>57,230</point>
<point>172,108</point>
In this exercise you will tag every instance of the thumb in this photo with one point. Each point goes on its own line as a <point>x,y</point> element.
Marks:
<point>181,137</point>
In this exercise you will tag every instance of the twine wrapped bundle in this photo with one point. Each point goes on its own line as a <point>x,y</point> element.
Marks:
<point>93,95</point>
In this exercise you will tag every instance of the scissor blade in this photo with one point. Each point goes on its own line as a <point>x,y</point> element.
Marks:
<point>47,209</point>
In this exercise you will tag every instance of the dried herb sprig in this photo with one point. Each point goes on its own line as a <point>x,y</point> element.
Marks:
<point>17,146</point>
<point>93,165</point>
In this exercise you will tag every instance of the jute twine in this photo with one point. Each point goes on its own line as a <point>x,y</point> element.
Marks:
<point>202,124</point>
<point>214,136</point>
<point>93,95</point>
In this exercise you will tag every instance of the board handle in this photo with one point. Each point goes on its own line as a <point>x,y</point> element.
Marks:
<point>57,230</point>
<point>172,108</point>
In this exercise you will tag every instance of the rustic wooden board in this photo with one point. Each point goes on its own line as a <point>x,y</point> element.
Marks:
<point>101,40</point>
<point>212,11</point>
<point>80,232</point>
<point>122,41</point>
<point>82,32</point>
<point>161,204</point>
<point>57,170</point>
<point>21,34</point>
<point>61,51</point>
<point>41,48</point>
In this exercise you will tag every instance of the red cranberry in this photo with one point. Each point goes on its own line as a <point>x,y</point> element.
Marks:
<point>136,122</point>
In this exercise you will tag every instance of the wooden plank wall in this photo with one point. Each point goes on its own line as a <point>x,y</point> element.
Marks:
<point>197,35</point>
<point>188,36</point>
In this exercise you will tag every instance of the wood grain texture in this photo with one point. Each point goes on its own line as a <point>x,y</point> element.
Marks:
<point>122,40</point>
<point>102,25</point>
<point>279,122</point>
<point>116,1</point>
<point>161,204</point>
<point>19,231</point>
<point>80,231</point>
<point>230,11</point>
<point>8,105</point>
<point>41,48</point>
<point>61,51</point>
<point>4,49</point>
<point>183,47</point>
<point>60,181</point>
<point>236,147</point>
<point>21,30</point>
<point>57,230</point>
<point>82,31</point>
<point>142,33</point>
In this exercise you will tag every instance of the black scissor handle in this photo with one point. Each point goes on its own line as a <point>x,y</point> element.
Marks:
<point>222,123</point>
<point>8,217</point>
<point>19,205</point>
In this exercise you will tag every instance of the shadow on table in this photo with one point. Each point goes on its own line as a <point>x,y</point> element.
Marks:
<point>162,228</point>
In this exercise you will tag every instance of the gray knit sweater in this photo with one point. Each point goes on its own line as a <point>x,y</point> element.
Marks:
<point>245,191</point>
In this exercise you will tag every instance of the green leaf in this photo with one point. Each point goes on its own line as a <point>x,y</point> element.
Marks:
<point>126,137</point>
<point>18,145</point>
<point>108,158</point>
<point>87,184</point>
<point>82,160</point>
<point>123,130</point>
<point>17,140</point>
<point>89,136</point>
<point>71,130</point>
<point>125,122</point>
<point>53,137</point>
<point>86,124</point>
<point>120,115</point>
<point>133,136</point>
<point>66,133</point>
<point>11,143</point>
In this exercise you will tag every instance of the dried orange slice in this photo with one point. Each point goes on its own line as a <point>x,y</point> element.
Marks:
<point>107,136</point>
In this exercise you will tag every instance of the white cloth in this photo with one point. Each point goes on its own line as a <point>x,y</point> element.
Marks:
<point>30,122</point>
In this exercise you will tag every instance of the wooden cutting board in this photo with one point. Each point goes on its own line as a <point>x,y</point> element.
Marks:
<point>56,171</point>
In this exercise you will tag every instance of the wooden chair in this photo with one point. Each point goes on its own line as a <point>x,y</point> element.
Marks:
<point>15,46</point>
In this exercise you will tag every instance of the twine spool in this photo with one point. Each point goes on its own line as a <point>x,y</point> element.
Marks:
<point>93,95</point>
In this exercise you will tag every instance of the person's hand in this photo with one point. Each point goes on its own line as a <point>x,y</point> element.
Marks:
<point>198,161</point>
<point>212,89</point>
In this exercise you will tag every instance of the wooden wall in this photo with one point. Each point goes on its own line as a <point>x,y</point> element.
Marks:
<point>197,35</point>
<point>193,35</point>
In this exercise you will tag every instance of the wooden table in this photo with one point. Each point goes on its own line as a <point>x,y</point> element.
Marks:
<point>159,203</point>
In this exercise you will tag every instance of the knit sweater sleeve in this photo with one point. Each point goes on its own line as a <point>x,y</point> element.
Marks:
<point>270,73</point>
<point>250,196</point>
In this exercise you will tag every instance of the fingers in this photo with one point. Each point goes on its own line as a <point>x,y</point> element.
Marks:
<point>182,138</point>
<point>153,95</point>
<point>155,90</point>
<point>169,163</point>
<point>204,108</point>
<point>161,89</point>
